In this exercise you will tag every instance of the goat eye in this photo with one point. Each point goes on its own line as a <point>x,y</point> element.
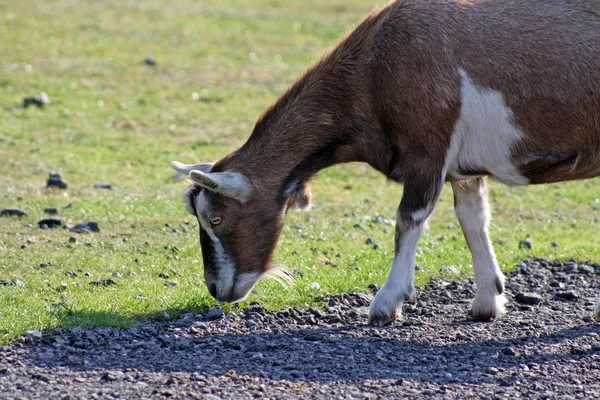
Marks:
<point>215,221</point>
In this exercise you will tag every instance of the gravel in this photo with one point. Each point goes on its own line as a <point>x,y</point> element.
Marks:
<point>544,348</point>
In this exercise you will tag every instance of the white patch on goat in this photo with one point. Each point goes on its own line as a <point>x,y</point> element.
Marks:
<point>597,312</point>
<point>484,135</point>
<point>472,210</point>
<point>244,283</point>
<point>226,275</point>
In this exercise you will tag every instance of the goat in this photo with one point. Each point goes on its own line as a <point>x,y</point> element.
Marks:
<point>425,92</point>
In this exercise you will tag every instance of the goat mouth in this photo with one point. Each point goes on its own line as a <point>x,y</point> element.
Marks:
<point>241,287</point>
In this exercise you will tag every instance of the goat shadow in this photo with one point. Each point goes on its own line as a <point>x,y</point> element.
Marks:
<point>450,350</point>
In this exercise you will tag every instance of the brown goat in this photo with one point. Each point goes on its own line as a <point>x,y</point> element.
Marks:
<point>424,92</point>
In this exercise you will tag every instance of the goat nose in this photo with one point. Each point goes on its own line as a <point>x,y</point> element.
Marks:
<point>212,288</point>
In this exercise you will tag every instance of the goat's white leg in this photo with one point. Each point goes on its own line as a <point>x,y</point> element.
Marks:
<point>417,203</point>
<point>472,210</point>
<point>597,312</point>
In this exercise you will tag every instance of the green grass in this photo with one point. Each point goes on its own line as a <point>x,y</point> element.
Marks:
<point>116,120</point>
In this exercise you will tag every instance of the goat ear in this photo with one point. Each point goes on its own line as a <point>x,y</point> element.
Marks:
<point>183,170</point>
<point>228,183</point>
<point>301,199</point>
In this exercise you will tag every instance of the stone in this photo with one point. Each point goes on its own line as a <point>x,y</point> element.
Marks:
<point>528,298</point>
<point>586,269</point>
<point>525,244</point>
<point>34,334</point>
<point>214,313</point>
<point>13,212</point>
<point>103,282</point>
<point>102,185</point>
<point>86,227</point>
<point>150,61</point>
<point>39,101</point>
<point>11,282</point>
<point>51,210</point>
<point>56,180</point>
<point>51,223</point>
<point>568,295</point>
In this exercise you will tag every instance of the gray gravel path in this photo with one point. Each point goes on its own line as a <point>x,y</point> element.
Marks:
<point>549,349</point>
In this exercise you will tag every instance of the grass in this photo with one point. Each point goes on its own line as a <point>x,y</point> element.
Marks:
<point>113,119</point>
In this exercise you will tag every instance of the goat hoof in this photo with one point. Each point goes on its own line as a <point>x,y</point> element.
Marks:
<point>487,306</point>
<point>381,320</point>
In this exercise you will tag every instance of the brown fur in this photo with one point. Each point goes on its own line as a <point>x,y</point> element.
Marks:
<point>389,95</point>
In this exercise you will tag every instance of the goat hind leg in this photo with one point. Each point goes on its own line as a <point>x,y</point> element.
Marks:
<point>472,210</point>
<point>597,312</point>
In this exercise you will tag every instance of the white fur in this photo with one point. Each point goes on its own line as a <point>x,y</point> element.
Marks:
<point>484,135</point>
<point>225,280</point>
<point>243,284</point>
<point>472,210</point>
<point>597,312</point>
<point>399,284</point>
<point>228,183</point>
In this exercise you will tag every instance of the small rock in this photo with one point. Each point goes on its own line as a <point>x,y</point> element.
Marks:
<point>170,283</point>
<point>11,282</point>
<point>34,334</point>
<point>528,298</point>
<point>214,313</point>
<point>56,180</point>
<point>111,376</point>
<point>51,210</point>
<point>586,269</point>
<point>150,61</point>
<point>71,274</point>
<point>567,295</point>
<point>509,351</point>
<point>103,282</point>
<point>45,265</point>
<point>580,350</point>
<point>86,227</point>
<point>72,239</point>
<point>101,185</point>
<point>51,223</point>
<point>12,212</point>
<point>163,275</point>
<point>360,226</point>
<point>39,101</point>
<point>555,244</point>
<point>525,244</point>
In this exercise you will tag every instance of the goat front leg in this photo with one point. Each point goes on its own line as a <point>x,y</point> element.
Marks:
<point>472,210</point>
<point>418,199</point>
<point>597,312</point>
